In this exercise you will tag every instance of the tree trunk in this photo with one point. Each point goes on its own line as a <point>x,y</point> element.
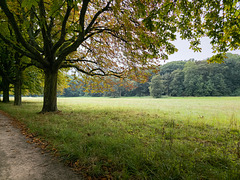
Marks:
<point>50,91</point>
<point>18,90</point>
<point>18,82</point>
<point>5,85</point>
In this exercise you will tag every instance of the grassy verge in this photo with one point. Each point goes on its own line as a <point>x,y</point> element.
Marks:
<point>142,138</point>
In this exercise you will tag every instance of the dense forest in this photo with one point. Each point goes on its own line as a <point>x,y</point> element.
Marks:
<point>177,78</point>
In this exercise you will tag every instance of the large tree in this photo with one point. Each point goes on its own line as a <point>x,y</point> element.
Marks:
<point>111,37</point>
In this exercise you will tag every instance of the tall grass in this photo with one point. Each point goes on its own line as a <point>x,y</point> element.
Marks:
<point>142,138</point>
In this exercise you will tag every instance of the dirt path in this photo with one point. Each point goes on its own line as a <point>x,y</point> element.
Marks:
<point>22,161</point>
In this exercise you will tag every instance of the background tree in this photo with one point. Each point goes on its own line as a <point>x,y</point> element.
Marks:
<point>21,67</point>
<point>166,71</point>
<point>7,70</point>
<point>232,73</point>
<point>32,81</point>
<point>142,89</point>
<point>156,87</point>
<point>176,87</point>
<point>74,89</point>
<point>199,78</point>
<point>169,67</point>
<point>202,79</point>
<point>112,37</point>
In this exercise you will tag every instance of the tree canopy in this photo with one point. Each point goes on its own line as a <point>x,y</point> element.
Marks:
<point>112,37</point>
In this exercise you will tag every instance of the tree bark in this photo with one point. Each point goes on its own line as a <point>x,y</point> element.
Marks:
<point>50,91</point>
<point>5,90</point>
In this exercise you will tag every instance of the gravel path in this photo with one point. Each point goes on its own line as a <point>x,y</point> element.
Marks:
<point>23,161</point>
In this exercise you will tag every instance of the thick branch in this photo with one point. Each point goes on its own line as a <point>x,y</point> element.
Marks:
<point>43,25</point>
<point>51,24</point>
<point>63,30</point>
<point>17,48</point>
<point>82,15</point>
<point>31,33</point>
<point>68,50</point>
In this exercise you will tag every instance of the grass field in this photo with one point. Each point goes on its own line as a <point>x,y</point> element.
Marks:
<point>141,138</point>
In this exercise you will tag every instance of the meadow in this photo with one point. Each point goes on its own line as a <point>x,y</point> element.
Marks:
<point>140,138</point>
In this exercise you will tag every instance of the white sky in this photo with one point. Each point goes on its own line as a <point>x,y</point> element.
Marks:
<point>184,53</point>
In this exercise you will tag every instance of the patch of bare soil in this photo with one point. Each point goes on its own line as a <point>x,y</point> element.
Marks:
<point>20,160</point>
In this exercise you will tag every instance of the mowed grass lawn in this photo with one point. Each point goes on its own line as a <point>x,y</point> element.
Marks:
<point>141,138</point>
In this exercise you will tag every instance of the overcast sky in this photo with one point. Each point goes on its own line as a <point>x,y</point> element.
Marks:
<point>184,53</point>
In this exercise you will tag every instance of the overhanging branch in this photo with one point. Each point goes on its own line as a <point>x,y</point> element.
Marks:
<point>96,16</point>
<point>93,71</point>
<point>107,30</point>
<point>80,60</point>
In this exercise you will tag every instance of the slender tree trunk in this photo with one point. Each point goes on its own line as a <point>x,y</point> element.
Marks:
<point>18,82</point>
<point>50,91</point>
<point>5,90</point>
<point>18,90</point>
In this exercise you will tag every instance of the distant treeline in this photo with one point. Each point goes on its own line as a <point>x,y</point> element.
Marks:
<point>180,78</point>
